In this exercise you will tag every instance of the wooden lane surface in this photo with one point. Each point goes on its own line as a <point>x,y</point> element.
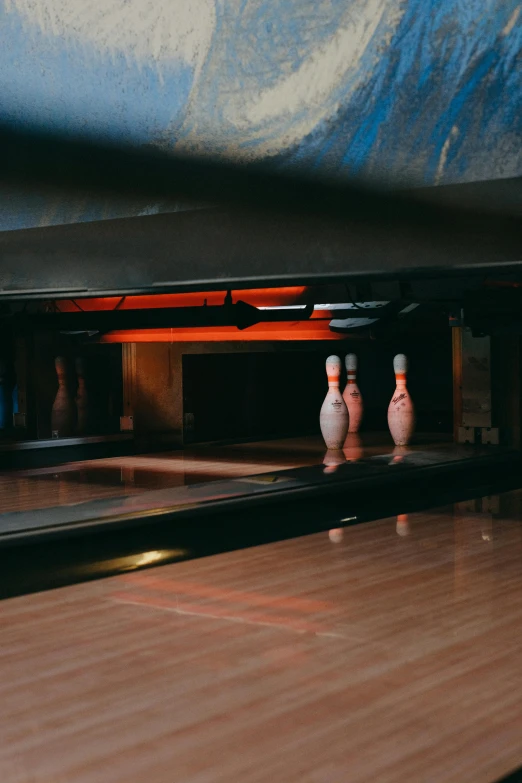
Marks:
<point>391,655</point>
<point>80,482</point>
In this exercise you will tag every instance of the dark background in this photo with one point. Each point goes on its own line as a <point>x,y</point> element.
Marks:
<point>281,393</point>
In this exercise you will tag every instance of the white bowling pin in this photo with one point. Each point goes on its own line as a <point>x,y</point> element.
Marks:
<point>401,414</point>
<point>334,413</point>
<point>352,395</point>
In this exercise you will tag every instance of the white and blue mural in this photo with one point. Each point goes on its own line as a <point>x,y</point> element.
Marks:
<point>417,91</point>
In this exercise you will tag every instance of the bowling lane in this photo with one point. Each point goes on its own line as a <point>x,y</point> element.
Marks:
<point>92,480</point>
<point>97,479</point>
<point>388,651</point>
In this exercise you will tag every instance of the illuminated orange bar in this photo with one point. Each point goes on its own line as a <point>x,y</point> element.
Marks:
<point>259,297</point>
<point>285,330</point>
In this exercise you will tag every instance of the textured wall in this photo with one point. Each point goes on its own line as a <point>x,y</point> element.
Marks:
<point>426,91</point>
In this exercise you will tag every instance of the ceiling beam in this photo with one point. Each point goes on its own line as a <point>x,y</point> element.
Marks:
<point>274,229</point>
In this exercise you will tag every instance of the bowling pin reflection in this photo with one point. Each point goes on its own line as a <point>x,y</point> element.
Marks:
<point>353,448</point>
<point>398,454</point>
<point>481,511</point>
<point>332,459</point>
<point>487,527</point>
<point>490,507</point>
<point>336,535</point>
<point>403,525</point>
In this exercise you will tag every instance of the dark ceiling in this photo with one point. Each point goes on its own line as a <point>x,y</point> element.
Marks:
<point>270,228</point>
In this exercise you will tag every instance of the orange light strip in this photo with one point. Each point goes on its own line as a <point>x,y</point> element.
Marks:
<point>285,330</point>
<point>259,297</point>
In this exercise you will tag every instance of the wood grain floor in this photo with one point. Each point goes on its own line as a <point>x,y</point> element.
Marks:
<point>389,651</point>
<point>80,482</point>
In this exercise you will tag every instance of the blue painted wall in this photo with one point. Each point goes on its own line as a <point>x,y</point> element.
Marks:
<point>421,91</point>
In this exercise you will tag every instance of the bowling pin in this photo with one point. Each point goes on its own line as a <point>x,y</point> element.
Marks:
<point>82,401</point>
<point>352,395</point>
<point>401,414</point>
<point>62,413</point>
<point>334,413</point>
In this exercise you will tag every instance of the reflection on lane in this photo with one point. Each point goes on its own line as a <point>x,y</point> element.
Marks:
<point>403,525</point>
<point>356,637</point>
<point>336,535</point>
